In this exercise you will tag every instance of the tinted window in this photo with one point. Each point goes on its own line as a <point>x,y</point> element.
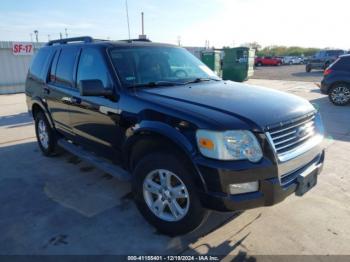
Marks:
<point>65,66</point>
<point>54,66</point>
<point>342,64</point>
<point>39,64</point>
<point>92,66</point>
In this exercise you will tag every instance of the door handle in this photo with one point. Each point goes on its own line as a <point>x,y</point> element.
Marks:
<point>46,90</point>
<point>75,100</point>
<point>71,100</point>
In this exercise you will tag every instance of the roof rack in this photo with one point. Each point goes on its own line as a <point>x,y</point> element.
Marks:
<point>85,39</point>
<point>136,40</point>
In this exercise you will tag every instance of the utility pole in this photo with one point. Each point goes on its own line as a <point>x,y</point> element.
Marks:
<point>65,30</point>
<point>142,36</point>
<point>36,32</point>
<point>48,38</point>
<point>61,35</point>
<point>143,29</point>
<point>127,16</point>
<point>179,40</point>
<point>31,37</point>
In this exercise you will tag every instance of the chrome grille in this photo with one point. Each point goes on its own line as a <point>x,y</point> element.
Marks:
<point>289,136</point>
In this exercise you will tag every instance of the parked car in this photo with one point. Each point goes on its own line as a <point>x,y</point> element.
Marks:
<point>268,60</point>
<point>336,81</point>
<point>188,141</point>
<point>292,60</point>
<point>323,59</point>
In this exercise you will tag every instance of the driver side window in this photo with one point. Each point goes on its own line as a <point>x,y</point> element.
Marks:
<point>92,66</point>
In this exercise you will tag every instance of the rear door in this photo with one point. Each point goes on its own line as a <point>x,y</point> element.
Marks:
<point>60,86</point>
<point>95,119</point>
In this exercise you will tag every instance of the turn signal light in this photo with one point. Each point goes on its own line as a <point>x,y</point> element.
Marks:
<point>206,143</point>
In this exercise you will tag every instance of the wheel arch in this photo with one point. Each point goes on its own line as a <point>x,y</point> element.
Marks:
<point>335,83</point>
<point>160,138</point>
<point>38,106</point>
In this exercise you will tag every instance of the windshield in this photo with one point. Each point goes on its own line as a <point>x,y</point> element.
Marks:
<point>137,66</point>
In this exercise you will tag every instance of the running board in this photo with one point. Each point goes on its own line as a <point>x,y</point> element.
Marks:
<point>98,162</point>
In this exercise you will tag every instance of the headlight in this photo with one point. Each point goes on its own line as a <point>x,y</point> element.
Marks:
<point>229,145</point>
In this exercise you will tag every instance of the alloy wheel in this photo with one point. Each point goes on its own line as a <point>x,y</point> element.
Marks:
<point>340,95</point>
<point>166,195</point>
<point>43,134</point>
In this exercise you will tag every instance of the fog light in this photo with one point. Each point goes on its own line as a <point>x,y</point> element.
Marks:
<point>243,188</point>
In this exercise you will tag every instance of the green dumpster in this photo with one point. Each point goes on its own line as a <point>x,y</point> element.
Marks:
<point>212,59</point>
<point>238,63</point>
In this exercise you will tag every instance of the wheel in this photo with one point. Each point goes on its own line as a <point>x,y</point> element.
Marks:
<point>308,68</point>
<point>339,94</point>
<point>44,134</point>
<point>259,64</point>
<point>279,63</point>
<point>165,194</point>
<point>290,63</point>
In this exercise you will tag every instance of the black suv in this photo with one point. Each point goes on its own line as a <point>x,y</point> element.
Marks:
<point>155,115</point>
<point>336,81</point>
<point>322,59</point>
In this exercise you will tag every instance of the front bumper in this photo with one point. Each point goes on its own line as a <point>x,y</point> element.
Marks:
<point>272,189</point>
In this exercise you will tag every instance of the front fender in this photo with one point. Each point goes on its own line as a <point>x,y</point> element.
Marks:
<point>163,130</point>
<point>172,134</point>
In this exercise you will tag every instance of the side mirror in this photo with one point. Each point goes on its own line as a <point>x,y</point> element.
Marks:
<point>93,87</point>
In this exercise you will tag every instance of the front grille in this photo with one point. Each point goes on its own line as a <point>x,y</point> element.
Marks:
<point>289,136</point>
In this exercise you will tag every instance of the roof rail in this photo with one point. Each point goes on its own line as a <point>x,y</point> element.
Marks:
<point>85,39</point>
<point>136,40</point>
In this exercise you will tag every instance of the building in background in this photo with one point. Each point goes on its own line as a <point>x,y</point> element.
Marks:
<point>15,59</point>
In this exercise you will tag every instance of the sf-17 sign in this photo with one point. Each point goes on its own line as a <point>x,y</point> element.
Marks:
<point>22,48</point>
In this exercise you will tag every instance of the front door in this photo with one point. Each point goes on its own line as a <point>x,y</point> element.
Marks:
<point>95,120</point>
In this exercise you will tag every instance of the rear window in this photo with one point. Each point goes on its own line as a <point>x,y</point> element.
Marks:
<point>39,65</point>
<point>342,64</point>
<point>65,66</point>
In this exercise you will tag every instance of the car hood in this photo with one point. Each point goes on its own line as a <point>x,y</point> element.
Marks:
<point>260,105</point>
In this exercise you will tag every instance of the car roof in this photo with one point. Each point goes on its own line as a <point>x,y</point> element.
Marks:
<point>89,41</point>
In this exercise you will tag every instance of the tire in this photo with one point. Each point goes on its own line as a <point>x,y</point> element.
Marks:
<point>308,68</point>
<point>339,94</point>
<point>45,134</point>
<point>259,64</point>
<point>154,166</point>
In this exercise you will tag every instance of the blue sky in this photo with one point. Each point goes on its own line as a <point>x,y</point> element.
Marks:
<point>222,22</point>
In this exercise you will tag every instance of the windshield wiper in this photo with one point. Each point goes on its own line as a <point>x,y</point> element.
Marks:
<point>201,79</point>
<point>156,83</point>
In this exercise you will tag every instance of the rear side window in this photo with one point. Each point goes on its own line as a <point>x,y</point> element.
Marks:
<point>38,69</point>
<point>342,64</point>
<point>65,66</point>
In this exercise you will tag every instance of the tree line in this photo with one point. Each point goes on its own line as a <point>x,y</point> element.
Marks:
<point>287,51</point>
<point>276,50</point>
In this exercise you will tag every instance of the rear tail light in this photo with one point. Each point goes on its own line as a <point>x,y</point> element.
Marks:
<point>327,72</point>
